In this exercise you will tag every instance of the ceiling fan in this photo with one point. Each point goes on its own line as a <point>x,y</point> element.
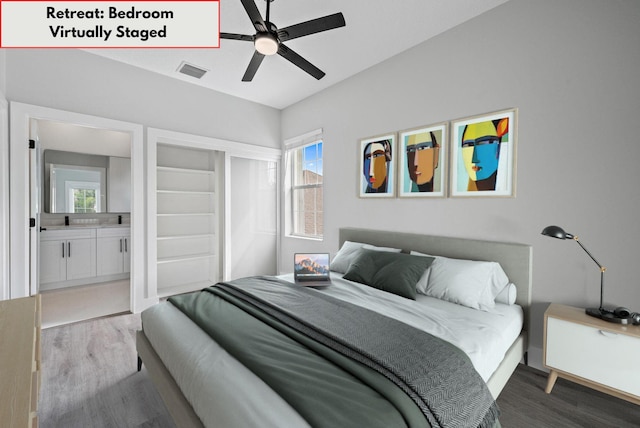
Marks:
<point>268,39</point>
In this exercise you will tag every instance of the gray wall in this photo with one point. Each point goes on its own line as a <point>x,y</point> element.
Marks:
<point>77,81</point>
<point>3,75</point>
<point>572,68</point>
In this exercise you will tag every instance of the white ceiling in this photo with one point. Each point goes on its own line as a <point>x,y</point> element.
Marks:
<point>375,31</point>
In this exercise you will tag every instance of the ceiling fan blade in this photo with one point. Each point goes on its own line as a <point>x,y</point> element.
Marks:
<point>255,62</point>
<point>317,25</point>
<point>297,60</point>
<point>233,36</point>
<point>254,15</point>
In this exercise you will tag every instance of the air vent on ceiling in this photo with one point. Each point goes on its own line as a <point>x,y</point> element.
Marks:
<point>191,70</point>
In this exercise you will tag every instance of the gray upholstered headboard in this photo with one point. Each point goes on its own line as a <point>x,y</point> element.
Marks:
<point>515,259</point>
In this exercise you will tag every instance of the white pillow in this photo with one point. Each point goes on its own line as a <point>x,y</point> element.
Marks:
<point>348,251</point>
<point>469,283</point>
<point>508,295</point>
<point>421,286</point>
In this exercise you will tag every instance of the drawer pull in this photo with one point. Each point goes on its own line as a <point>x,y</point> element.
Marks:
<point>607,333</point>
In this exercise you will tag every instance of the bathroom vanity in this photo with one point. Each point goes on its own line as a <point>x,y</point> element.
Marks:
<point>78,255</point>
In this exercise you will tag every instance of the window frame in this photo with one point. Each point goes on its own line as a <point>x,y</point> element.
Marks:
<point>294,152</point>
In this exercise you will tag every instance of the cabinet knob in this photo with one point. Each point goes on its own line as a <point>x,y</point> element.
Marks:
<point>608,333</point>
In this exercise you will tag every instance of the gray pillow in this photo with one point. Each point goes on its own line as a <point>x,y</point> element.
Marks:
<point>396,273</point>
<point>348,251</point>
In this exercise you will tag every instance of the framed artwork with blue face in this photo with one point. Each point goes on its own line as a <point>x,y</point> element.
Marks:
<point>377,166</point>
<point>422,162</point>
<point>483,155</point>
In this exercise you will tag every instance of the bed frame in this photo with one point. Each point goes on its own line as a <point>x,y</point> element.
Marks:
<point>515,259</point>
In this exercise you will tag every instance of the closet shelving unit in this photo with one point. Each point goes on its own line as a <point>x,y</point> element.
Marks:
<point>187,219</point>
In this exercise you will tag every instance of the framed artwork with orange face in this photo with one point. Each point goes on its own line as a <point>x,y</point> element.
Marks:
<point>422,162</point>
<point>377,166</point>
<point>483,155</point>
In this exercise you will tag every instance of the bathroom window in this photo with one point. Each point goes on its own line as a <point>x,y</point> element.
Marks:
<point>83,197</point>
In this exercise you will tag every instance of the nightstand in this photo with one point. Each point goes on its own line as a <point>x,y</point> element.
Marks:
<point>594,353</point>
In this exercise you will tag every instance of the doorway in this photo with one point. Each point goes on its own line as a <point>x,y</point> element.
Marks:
<point>82,265</point>
<point>23,282</point>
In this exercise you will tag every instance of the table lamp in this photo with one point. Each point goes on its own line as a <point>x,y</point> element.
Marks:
<point>618,315</point>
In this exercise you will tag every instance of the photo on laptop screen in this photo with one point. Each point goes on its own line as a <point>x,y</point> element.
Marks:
<point>311,267</point>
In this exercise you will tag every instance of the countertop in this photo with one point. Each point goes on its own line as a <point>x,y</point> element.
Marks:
<point>86,226</point>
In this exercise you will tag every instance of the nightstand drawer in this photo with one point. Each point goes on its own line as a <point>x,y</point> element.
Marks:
<point>601,356</point>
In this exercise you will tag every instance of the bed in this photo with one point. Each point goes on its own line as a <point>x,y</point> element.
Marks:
<point>235,398</point>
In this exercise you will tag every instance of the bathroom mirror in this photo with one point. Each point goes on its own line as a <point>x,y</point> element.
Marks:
<point>85,184</point>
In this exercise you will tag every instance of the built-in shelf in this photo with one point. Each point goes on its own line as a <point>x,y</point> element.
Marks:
<point>182,288</point>
<point>187,220</point>
<point>184,258</point>
<point>185,170</point>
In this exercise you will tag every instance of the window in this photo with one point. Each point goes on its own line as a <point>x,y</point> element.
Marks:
<point>82,197</point>
<point>84,201</point>
<point>306,190</point>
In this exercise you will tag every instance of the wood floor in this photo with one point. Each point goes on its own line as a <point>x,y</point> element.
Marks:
<point>84,302</point>
<point>524,404</point>
<point>89,379</point>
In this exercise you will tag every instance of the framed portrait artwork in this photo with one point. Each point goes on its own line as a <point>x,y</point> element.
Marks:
<point>422,162</point>
<point>483,155</point>
<point>377,166</point>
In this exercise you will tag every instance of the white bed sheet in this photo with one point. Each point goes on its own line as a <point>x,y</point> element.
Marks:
<point>204,371</point>
<point>484,336</point>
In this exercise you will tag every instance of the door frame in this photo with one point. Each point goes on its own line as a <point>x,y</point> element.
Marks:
<point>4,198</point>
<point>229,149</point>
<point>20,117</point>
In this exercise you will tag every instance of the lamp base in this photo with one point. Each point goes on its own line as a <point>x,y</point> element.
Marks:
<point>608,315</point>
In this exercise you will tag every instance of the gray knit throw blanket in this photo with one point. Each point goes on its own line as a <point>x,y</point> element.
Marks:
<point>438,376</point>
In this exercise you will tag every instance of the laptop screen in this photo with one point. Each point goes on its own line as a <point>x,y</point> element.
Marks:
<point>311,266</point>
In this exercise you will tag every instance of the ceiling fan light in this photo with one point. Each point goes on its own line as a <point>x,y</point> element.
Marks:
<point>266,44</point>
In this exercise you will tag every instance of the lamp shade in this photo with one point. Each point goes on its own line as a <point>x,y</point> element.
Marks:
<point>556,232</point>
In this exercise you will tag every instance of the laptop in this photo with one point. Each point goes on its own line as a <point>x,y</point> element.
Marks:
<point>311,269</point>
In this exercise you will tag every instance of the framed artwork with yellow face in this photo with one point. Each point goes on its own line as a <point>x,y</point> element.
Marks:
<point>377,166</point>
<point>422,161</point>
<point>483,155</point>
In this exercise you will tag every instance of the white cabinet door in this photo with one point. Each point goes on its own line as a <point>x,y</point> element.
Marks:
<point>53,263</point>
<point>114,251</point>
<point>126,253</point>
<point>62,260</point>
<point>110,255</point>
<point>81,258</point>
<point>573,348</point>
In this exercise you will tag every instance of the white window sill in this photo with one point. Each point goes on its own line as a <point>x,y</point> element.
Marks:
<point>308,238</point>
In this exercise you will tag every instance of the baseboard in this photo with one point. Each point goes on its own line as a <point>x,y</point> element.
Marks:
<point>536,358</point>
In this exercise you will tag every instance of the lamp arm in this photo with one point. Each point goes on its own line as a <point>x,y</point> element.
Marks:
<point>602,270</point>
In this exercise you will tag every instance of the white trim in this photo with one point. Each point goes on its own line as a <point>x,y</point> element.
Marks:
<point>234,148</point>
<point>301,140</point>
<point>71,186</point>
<point>4,198</point>
<point>21,114</point>
<point>227,246</point>
<point>228,149</point>
<point>291,147</point>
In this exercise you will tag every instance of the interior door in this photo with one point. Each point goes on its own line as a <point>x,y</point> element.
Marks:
<point>253,217</point>
<point>34,206</point>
